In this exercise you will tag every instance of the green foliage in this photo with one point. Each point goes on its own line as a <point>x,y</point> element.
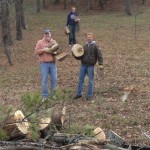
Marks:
<point>5,112</point>
<point>63,94</point>
<point>77,129</point>
<point>34,128</point>
<point>3,135</point>
<point>31,101</point>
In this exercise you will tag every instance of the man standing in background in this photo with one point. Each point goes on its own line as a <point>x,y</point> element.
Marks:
<point>72,20</point>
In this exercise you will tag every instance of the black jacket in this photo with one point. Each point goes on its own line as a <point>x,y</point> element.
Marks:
<point>70,19</point>
<point>92,54</point>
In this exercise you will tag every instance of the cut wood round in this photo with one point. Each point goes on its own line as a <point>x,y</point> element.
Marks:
<point>14,126</point>
<point>58,117</point>
<point>44,123</point>
<point>100,135</point>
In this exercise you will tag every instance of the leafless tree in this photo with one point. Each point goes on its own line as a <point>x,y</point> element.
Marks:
<point>65,4</point>
<point>38,6</point>
<point>22,15</point>
<point>6,33</point>
<point>127,7</point>
<point>89,5</point>
<point>18,20</point>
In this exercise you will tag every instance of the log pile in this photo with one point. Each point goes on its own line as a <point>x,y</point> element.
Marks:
<point>17,127</point>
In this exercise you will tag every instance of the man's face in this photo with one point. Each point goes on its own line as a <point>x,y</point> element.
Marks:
<point>47,37</point>
<point>89,38</point>
<point>73,9</point>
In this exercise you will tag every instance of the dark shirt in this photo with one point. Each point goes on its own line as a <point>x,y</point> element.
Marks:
<point>92,54</point>
<point>71,19</point>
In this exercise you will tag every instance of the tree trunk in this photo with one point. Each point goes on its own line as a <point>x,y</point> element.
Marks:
<point>127,7</point>
<point>77,6</point>
<point>89,5</point>
<point>22,15</point>
<point>38,6</point>
<point>65,4</point>
<point>5,22</point>
<point>18,20</point>
<point>6,33</point>
<point>44,4</point>
<point>101,3</point>
<point>57,1</point>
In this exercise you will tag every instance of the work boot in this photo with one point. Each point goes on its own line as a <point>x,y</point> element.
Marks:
<point>77,96</point>
<point>89,98</point>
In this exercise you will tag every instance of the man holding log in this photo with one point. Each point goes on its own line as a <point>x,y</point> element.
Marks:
<point>48,66</point>
<point>72,21</point>
<point>92,54</point>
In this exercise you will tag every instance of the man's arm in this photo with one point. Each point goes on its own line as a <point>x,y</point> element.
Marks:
<point>38,49</point>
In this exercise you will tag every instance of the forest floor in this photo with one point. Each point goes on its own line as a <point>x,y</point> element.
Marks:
<point>126,63</point>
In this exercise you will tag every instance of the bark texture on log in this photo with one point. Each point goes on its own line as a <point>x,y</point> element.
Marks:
<point>15,127</point>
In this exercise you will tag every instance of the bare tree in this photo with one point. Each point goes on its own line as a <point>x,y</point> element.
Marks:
<point>127,7</point>
<point>38,6</point>
<point>44,4</point>
<point>22,15</point>
<point>18,20</point>
<point>6,34</point>
<point>57,1</point>
<point>89,5</point>
<point>65,4</point>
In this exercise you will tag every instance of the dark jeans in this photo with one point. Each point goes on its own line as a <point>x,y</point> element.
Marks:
<point>89,71</point>
<point>72,35</point>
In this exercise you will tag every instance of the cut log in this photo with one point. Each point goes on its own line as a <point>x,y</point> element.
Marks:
<point>61,56</point>
<point>100,135</point>
<point>116,139</point>
<point>113,147</point>
<point>58,116</point>
<point>44,123</point>
<point>14,126</point>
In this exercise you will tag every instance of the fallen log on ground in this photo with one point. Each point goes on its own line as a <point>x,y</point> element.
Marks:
<point>14,127</point>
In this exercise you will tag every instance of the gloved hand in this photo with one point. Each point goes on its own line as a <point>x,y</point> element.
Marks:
<point>101,67</point>
<point>46,49</point>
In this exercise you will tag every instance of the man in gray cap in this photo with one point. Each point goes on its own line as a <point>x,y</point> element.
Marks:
<point>47,63</point>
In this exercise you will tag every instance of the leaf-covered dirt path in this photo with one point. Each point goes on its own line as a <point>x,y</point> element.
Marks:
<point>126,63</point>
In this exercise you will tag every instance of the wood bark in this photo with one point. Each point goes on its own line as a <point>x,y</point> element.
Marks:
<point>44,4</point>
<point>14,126</point>
<point>18,20</point>
<point>22,15</point>
<point>89,5</point>
<point>5,22</point>
<point>113,147</point>
<point>65,4</point>
<point>38,6</point>
<point>61,56</point>
<point>127,7</point>
<point>6,32</point>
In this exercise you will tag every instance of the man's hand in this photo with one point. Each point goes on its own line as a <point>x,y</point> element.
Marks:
<point>101,67</point>
<point>46,49</point>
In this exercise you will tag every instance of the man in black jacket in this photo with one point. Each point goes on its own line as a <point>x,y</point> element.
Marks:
<point>71,23</point>
<point>92,54</point>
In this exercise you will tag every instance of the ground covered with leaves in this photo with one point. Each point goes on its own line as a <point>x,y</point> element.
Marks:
<point>126,63</point>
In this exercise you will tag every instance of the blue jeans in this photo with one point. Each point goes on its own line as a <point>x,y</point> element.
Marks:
<point>46,70</point>
<point>89,70</point>
<point>72,35</point>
